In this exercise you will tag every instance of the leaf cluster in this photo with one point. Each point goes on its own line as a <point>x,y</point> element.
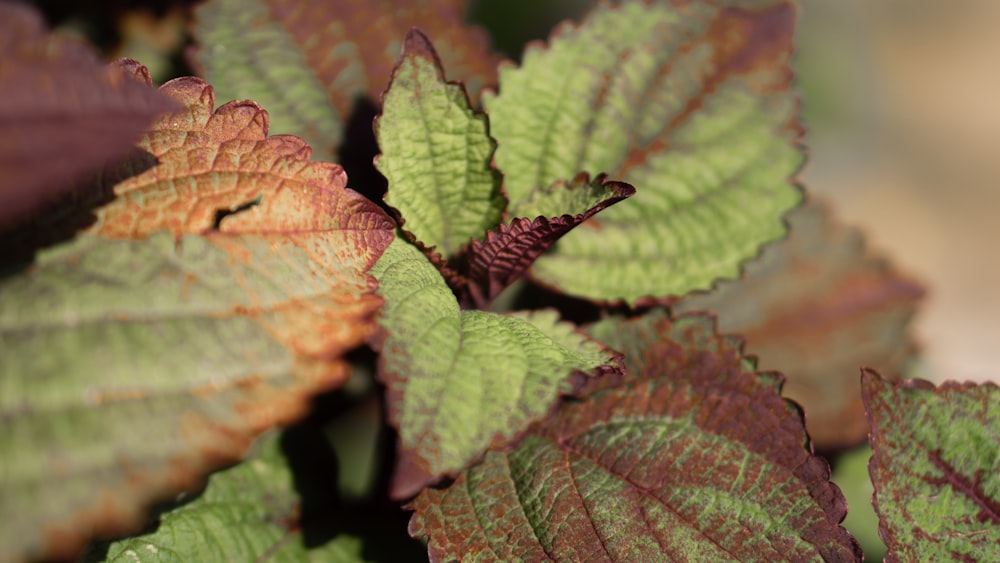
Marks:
<point>519,323</point>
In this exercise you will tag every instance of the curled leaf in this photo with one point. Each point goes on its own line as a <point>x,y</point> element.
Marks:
<point>693,458</point>
<point>63,114</point>
<point>135,365</point>
<point>936,468</point>
<point>817,306</point>
<point>689,102</point>
<point>458,381</point>
<point>491,265</point>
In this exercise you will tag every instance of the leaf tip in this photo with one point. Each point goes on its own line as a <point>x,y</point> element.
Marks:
<point>417,44</point>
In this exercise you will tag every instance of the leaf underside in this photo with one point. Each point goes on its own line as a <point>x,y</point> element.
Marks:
<point>816,306</point>
<point>153,349</point>
<point>436,154</point>
<point>56,98</point>
<point>692,458</point>
<point>312,62</point>
<point>458,381</point>
<point>490,266</point>
<point>936,468</point>
<point>691,103</point>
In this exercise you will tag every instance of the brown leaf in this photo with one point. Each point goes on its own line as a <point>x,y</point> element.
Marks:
<point>154,348</point>
<point>818,306</point>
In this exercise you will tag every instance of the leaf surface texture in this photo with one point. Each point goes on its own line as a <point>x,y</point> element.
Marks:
<point>693,457</point>
<point>461,381</point>
<point>690,103</point>
<point>153,348</point>
<point>936,468</point>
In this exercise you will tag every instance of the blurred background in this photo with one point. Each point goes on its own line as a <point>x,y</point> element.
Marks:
<point>901,102</point>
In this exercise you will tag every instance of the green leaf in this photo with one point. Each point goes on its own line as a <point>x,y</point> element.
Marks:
<point>132,368</point>
<point>63,114</point>
<point>936,468</point>
<point>247,513</point>
<point>458,381</point>
<point>692,458</point>
<point>689,102</point>
<point>315,62</point>
<point>850,474</point>
<point>436,154</point>
<point>815,306</point>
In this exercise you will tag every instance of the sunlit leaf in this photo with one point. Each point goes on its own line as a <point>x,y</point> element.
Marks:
<point>690,103</point>
<point>56,98</point>
<point>436,154</point>
<point>133,367</point>
<point>936,468</point>
<point>313,62</point>
<point>692,458</point>
<point>818,306</point>
<point>458,381</point>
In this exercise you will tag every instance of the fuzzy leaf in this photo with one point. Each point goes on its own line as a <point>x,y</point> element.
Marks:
<point>247,513</point>
<point>131,368</point>
<point>312,61</point>
<point>936,468</point>
<point>541,220</point>
<point>689,102</point>
<point>693,458</point>
<point>63,114</point>
<point>458,381</point>
<point>817,306</point>
<point>436,154</point>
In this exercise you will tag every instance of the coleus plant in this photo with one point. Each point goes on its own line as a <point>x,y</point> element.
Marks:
<point>187,284</point>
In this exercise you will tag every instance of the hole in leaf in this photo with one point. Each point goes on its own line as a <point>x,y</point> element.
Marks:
<point>221,214</point>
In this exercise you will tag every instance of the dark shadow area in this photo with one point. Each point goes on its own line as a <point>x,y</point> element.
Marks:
<point>378,521</point>
<point>510,29</point>
<point>101,19</point>
<point>68,215</point>
<point>572,309</point>
<point>359,149</point>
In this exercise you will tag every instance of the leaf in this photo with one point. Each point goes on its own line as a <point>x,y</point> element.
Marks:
<point>311,62</point>
<point>817,306</point>
<point>693,458</point>
<point>63,114</point>
<point>689,102</point>
<point>436,154</point>
<point>936,468</point>
<point>490,266</point>
<point>461,381</point>
<point>134,367</point>
<point>247,513</point>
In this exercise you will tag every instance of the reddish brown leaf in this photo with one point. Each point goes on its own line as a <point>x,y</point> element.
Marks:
<point>63,115</point>
<point>936,468</point>
<point>493,264</point>
<point>152,349</point>
<point>817,307</point>
<point>695,457</point>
